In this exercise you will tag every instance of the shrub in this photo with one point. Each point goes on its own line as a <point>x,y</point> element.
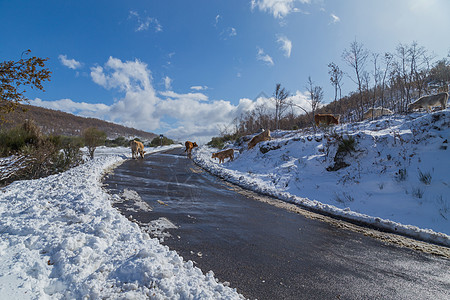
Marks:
<point>444,206</point>
<point>44,160</point>
<point>401,175</point>
<point>62,141</point>
<point>219,142</point>
<point>347,145</point>
<point>417,192</point>
<point>117,142</point>
<point>266,148</point>
<point>71,154</point>
<point>425,177</point>
<point>344,146</point>
<point>39,156</point>
<point>157,142</point>
<point>345,198</point>
<point>16,139</point>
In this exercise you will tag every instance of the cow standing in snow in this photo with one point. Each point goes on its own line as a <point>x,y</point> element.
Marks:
<point>326,119</point>
<point>263,136</point>
<point>222,155</point>
<point>137,148</point>
<point>430,101</point>
<point>189,146</point>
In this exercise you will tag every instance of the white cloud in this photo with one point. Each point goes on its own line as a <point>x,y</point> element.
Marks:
<point>169,58</point>
<point>158,26</point>
<point>301,99</point>
<point>80,108</point>
<point>140,106</point>
<point>286,45</point>
<point>279,8</point>
<point>189,96</point>
<point>218,17</point>
<point>128,76</point>
<point>202,120</point>
<point>197,119</point>
<point>228,32</point>
<point>334,19</point>
<point>98,76</point>
<point>144,23</point>
<point>168,83</point>
<point>264,57</point>
<point>70,63</point>
<point>133,78</point>
<point>199,87</point>
<point>181,115</point>
<point>190,110</point>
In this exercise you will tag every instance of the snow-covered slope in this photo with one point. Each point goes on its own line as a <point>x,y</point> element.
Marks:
<point>60,238</point>
<point>397,176</point>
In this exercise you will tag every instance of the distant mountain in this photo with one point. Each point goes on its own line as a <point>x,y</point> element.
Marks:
<point>61,123</point>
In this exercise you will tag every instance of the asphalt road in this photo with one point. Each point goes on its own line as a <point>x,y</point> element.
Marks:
<point>267,252</point>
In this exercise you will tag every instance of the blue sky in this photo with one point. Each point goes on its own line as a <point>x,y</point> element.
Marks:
<point>188,68</point>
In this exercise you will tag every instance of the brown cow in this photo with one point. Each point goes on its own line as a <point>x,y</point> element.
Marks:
<point>224,154</point>
<point>136,149</point>
<point>189,146</point>
<point>263,136</point>
<point>326,118</point>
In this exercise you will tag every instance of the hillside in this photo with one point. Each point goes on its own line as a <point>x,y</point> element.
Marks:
<point>61,123</point>
<point>391,172</point>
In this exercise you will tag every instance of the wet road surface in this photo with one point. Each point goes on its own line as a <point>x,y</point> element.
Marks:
<point>266,252</point>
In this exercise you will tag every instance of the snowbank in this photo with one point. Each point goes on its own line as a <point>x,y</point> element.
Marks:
<point>60,238</point>
<point>397,177</point>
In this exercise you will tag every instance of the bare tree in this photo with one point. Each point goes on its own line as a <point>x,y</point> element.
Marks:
<point>441,72</point>
<point>418,68</point>
<point>315,96</point>
<point>356,57</point>
<point>280,97</point>
<point>262,116</point>
<point>421,66</point>
<point>405,70</point>
<point>376,78</point>
<point>412,69</point>
<point>366,84</point>
<point>335,78</point>
<point>388,57</point>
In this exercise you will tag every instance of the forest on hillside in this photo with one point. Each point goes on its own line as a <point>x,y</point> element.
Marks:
<point>390,80</point>
<point>60,123</point>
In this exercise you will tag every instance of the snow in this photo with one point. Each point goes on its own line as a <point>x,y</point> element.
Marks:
<point>62,239</point>
<point>385,184</point>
